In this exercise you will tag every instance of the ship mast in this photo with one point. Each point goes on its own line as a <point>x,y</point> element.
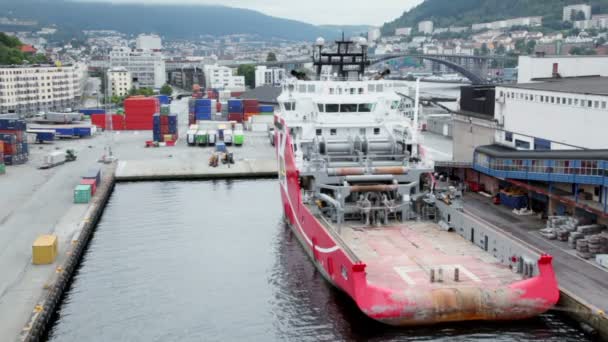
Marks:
<point>346,61</point>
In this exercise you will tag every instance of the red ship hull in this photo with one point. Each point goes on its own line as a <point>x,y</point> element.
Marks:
<point>419,305</point>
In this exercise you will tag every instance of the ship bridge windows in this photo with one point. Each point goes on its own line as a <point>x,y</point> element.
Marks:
<point>290,106</point>
<point>346,107</point>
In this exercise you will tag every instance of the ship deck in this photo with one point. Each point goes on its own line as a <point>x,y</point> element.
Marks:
<point>402,256</point>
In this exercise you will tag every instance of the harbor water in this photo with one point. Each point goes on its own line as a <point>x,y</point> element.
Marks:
<point>213,261</point>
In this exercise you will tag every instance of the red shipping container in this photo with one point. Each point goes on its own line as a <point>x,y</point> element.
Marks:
<point>18,134</point>
<point>218,107</point>
<point>90,182</point>
<point>238,117</point>
<point>164,120</point>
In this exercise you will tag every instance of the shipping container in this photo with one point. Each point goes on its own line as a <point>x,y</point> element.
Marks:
<point>163,99</point>
<point>238,137</point>
<point>191,137</point>
<point>91,111</point>
<point>91,183</point>
<point>212,137</point>
<point>45,250</point>
<point>93,173</point>
<point>42,135</point>
<point>54,158</point>
<point>201,138</point>
<point>220,146</point>
<point>228,136</point>
<point>82,193</point>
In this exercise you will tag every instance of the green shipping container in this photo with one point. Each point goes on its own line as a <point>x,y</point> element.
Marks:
<point>238,138</point>
<point>2,169</point>
<point>200,138</point>
<point>82,193</point>
<point>165,110</point>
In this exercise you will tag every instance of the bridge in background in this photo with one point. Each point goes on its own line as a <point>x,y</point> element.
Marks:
<point>474,68</point>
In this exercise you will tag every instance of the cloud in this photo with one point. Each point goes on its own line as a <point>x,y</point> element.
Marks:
<point>333,12</point>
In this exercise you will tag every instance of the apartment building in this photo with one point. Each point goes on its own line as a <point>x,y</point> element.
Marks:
<point>222,77</point>
<point>269,76</point>
<point>119,81</point>
<point>147,68</point>
<point>31,89</point>
<point>148,42</point>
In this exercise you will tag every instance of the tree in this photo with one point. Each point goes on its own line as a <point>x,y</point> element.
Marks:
<point>247,70</point>
<point>578,15</point>
<point>141,91</point>
<point>166,90</point>
<point>530,46</point>
<point>272,57</point>
<point>601,41</point>
<point>520,45</point>
<point>484,49</point>
<point>500,50</point>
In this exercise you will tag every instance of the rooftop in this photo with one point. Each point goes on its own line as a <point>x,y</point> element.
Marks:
<point>594,85</point>
<point>500,151</point>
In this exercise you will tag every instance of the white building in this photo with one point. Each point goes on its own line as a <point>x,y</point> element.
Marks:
<point>508,23</point>
<point>222,77</point>
<point>148,42</point>
<point>532,68</point>
<point>30,89</point>
<point>147,68</point>
<point>373,34</point>
<point>570,11</point>
<point>119,81</point>
<point>425,27</point>
<point>599,21</point>
<point>268,76</point>
<point>403,31</point>
<point>558,114</point>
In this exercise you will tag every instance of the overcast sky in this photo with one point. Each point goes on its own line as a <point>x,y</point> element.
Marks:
<point>338,12</point>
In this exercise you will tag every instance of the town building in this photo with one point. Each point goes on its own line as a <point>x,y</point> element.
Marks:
<point>148,42</point>
<point>222,77</point>
<point>599,21</point>
<point>403,31</point>
<point>147,68</point>
<point>570,12</point>
<point>508,23</point>
<point>533,68</point>
<point>32,89</point>
<point>269,76</point>
<point>119,81</point>
<point>425,27</point>
<point>373,34</point>
<point>576,107</point>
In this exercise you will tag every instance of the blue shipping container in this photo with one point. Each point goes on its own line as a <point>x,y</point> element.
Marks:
<point>203,102</point>
<point>93,173</point>
<point>220,146</point>
<point>82,131</point>
<point>45,136</point>
<point>203,116</point>
<point>266,109</point>
<point>12,124</point>
<point>90,111</point>
<point>163,99</point>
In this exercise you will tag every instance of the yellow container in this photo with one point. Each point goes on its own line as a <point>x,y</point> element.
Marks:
<point>44,250</point>
<point>168,137</point>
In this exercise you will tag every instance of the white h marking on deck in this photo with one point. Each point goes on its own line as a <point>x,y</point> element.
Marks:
<point>403,271</point>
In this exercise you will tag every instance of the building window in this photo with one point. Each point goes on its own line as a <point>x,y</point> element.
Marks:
<point>319,132</point>
<point>333,131</point>
<point>596,104</point>
<point>552,99</point>
<point>376,131</point>
<point>509,136</point>
<point>321,107</point>
<point>570,102</point>
<point>589,103</point>
<point>542,144</point>
<point>522,144</point>
<point>576,102</point>
<point>603,104</point>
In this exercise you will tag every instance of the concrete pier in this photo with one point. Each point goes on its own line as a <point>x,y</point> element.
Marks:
<point>145,170</point>
<point>68,261</point>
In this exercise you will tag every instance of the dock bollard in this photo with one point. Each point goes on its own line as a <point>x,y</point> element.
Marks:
<point>456,274</point>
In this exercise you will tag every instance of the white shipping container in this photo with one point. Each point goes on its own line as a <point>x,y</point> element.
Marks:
<point>212,136</point>
<point>228,136</point>
<point>54,157</point>
<point>190,136</point>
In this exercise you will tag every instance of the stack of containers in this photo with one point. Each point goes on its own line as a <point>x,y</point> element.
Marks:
<point>250,108</point>
<point>2,166</point>
<point>165,128</point>
<point>82,193</point>
<point>163,99</point>
<point>118,121</point>
<point>212,94</point>
<point>266,110</point>
<point>235,110</point>
<point>139,111</point>
<point>12,134</point>
<point>191,117</point>
<point>91,111</point>
<point>204,109</point>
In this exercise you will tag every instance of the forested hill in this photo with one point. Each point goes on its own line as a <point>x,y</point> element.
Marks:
<point>169,20</point>
<point>445,13</point>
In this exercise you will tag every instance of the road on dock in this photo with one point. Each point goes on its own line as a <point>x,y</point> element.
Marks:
<point>576,275</point>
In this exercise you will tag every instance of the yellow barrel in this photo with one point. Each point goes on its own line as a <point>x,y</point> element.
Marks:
<point>44,250</point>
